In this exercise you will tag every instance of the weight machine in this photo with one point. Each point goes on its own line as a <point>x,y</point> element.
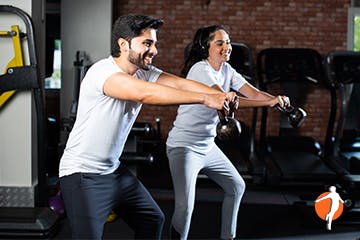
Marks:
<point>242,149</point>
<point>291,158</point>
<point>39,221</point>
<point>343,134</point>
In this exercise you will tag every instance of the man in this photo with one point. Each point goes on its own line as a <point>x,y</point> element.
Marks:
<point>92,179</point>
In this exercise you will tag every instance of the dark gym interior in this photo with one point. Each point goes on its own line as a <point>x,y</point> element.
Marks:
<point>304,49</point>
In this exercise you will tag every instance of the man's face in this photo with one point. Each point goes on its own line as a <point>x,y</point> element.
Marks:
<point>143,49</point>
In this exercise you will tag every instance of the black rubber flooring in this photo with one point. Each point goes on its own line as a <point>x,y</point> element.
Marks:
<point>263,214</point>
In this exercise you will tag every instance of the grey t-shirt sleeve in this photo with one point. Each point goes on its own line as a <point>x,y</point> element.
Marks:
<point>201,72</point>
<point>237,80</point>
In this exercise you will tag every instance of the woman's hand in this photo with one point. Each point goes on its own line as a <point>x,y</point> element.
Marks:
<point>281,100</point>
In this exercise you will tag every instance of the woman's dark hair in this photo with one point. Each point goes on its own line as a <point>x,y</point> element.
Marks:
<point>198,49</point>
<point>130,26</point>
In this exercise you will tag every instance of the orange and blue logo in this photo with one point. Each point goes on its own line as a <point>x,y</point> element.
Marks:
<point>329,206</point>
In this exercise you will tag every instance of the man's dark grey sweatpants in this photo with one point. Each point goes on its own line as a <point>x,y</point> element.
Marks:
<point>89,198</point>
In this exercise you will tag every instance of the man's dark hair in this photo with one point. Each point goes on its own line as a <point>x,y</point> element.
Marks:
<point>130,26</point>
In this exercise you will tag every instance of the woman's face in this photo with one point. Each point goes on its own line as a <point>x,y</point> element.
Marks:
<point>220,47</point>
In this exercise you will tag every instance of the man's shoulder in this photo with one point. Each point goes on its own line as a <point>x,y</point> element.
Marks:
<point>103,61</point>
<point>104,64</point>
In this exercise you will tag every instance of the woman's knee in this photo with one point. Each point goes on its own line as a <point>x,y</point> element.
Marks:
<point>240,187</point>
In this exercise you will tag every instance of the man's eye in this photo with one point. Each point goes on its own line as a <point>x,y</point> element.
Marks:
<point>147,44</point>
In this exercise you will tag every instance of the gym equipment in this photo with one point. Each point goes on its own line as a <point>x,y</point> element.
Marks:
<point>342,68</point>
<point>39,221</point>
<point>228,127</point>
<point>81,65</point>
<point>140,144</point>
<point>242,150</point>
<point>291,157</point>
<point>111,217</point>
<point>26,222</point>
<point>17,61</point>
<point>295,115</point>
<point>57,205</point>
<point>343,138</point>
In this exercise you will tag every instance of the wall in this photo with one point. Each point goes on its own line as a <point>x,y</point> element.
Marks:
<point>321,25</point>
<point>85,26</point>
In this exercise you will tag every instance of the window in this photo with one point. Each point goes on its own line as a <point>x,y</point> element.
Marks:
<point>356,38</point>
<point>54,81</point>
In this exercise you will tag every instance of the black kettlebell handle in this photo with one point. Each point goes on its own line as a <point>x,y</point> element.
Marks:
<point>286,109</point>
<point>223,118</point>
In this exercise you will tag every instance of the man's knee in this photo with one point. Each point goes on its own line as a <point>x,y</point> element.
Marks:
<point>160,217</point>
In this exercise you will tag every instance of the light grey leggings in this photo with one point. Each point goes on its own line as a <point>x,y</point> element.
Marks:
<point>185,166</point>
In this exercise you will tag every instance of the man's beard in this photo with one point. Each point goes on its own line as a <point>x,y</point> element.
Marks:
<point>138,60</point>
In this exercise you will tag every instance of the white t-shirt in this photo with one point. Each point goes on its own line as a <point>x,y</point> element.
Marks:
<point>195,124</point>
<point>102,123</point>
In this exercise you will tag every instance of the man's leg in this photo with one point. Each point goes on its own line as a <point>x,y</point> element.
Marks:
<point>82,195</point>
<point>137,207</point>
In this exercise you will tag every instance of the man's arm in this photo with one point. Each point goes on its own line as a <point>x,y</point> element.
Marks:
<point>174,81</point>
<point>126,87</point>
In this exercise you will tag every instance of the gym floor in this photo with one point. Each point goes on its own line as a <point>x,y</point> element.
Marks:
<point>263,214</point>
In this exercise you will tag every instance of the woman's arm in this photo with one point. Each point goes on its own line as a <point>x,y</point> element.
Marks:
<point>253,97</point>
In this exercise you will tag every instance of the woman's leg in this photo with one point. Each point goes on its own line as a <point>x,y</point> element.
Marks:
<point>184,167</point>
<point>222,171</point>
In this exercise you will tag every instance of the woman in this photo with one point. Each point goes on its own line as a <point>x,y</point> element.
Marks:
<point>190,144</point>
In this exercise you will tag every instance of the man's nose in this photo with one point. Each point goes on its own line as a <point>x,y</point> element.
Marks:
<point>153,50</point>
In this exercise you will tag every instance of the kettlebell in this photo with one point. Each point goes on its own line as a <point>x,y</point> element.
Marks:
<point>228,127</point>
<point>295,115</point>
<point>57,205</point>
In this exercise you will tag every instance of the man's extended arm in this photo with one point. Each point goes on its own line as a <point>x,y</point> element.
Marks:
<point>126,87</point>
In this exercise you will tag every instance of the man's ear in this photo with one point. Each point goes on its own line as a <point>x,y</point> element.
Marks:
<point>123,44</point>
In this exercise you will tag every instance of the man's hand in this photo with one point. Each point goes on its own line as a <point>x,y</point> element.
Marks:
<point>233,101</point>
<point>217,101</point>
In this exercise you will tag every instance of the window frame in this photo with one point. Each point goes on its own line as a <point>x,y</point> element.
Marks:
<point>352,12</point>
